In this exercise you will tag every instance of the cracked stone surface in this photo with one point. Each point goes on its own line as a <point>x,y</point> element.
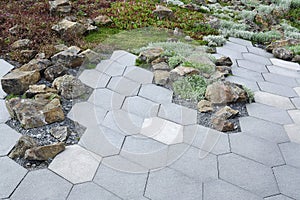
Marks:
<point>120,157</point>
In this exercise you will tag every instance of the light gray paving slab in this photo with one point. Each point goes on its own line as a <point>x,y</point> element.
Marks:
<point>9,137</point>
<point>230,53</point>
<point>240,41</point>
<point>277,89</point>
<point>42,184</point>
<point>286,64</point>
<point>256,58</point>
<point>208,139</point>
<point>140,106</point>
<point>156,93</point>
<point>2,93</point>
<point>94,78</point>
<point>124,86</point>
<point>259,51</point>
<point>251,65</point>
<point>5,67</point>
<point>235,47</point>
<point>123,122</point>
<point>280,79</point>
<point>4,115</point>
<point>91,191</point>
<point>178,114</point>
<point>293,131</point>
<point>247,174</point>
<point>124,57</point>
<point>216,55</point>
<point>297,90</point>
<point>138,74</point>
<point>220,190</point>
<point>263,129</point>
<point>102,141</point>
<point>76,164</point>
<point>107,99</point>
<point>278,197</point>
<point>283,71</point>
<point>247,74</point>
<point>291,153</point>
<point>87,114</point>
<point>175,152</point>
<point>295,115</point>
<point>111,67</point>
<point>197,165</point>
<point>242,81</point>
<point>11,174</point>
<point>273,100</point>
<point>288,179</point>
<point>269,113</point>
<point>127,185</point>
<point>145,151</point>
<point>170,184</point>
<point>296,102</point>
<point>257,149</point>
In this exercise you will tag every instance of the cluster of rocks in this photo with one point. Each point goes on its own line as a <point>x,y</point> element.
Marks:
<point>279,50</point>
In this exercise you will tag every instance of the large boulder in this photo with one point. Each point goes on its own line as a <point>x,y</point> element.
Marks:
<point>25,142</point>
<point>225,92</point>
<point>68,58</point>
<point>69,86</point>
<point>36,64</point>
<point>150,54</point>
<point>42,153</point>
<point>60,6</point>
<point>68,29</point>
<point>283,53</point>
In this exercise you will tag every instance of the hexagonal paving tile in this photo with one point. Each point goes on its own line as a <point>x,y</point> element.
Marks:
<point>138,74</point>
<point>295,115</point>
<point>292,131</point>
<point>5,67</point>
<point>286,64</point>
<point>256,58</point>
<point>124,86</point>
<point>247,174</point>
<point>76,164</point>
<point>230,53</point>
<point>277,89</point>
<point>282,71</point>
<point>111,67</point>
<point>170,184</point>
<point>248,64</point>
<point>156,93</point>
<point>9,137</point>
<point>42,184</point>
<point>107,99</point>
<point>273,100</point>
<point>278,197</point>
<point>124,57</point>
<point>4,115</point>
<point>94,78</point>
<point>288,179</point>
<point>291,153</point>
<point>241,41</point>
<point>11,174</point>
<point>280,79</point>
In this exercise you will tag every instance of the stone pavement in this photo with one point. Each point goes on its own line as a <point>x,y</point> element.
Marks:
<point>140,145</point>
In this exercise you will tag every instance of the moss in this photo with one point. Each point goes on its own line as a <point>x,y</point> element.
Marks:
<point>100,35</point>
<point>11,96</point>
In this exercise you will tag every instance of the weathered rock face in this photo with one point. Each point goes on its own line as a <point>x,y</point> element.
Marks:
<point>38,89</point>
<point>20,44</point>
<point>54,71</point>
<point>221,124</point>
<point>24,143</point>
<point>36,64</point>
<point>33,113</point>
<point>68,28</point>
<point>102,20</point>
<point>68,58</point>
<point>17,81</point>
<point>44,152</point>
<point>161,66</point>
<point>224,61</point>
<point>282,43</point>
<point>161,77</point>
<point>150,54</point>
<point>182,71</point>
<point>225,92</point>
<point>283,53</point>
<point>69,87</point>
<point>163,12</point>
<point>90,56</point>
<point>205,106</point>
<point>61,133</point>
<point>61,6</point>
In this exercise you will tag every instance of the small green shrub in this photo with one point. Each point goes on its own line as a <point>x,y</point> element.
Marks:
<point>295,49</point>
<point>174,61</point>
<point>233,25</point>
<point>246,14</point>
<point>204,68</point>
<point>250,94</point>
<point>190,87</point>
<point>266,37</point>
<point>219,40</point>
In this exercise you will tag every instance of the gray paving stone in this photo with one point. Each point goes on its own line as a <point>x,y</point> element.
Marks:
<point>138,74</point>
<point>278,197</point>
<point>295,115</point>
<point>251,65</point>
<point>286,64</point>
<point>235,47</point>
<point>269,113</point>
<point>297,90</point>
<point>123,122</point>
<point>291,153</point>
<point>94,78</point>
<point>102,141</point>
<point>280,79</point>
<point>242,81</point>
<point>107,99</point>
<point>216,55</point>
<point>273,100</point>
<point>87,114</point>
<point>240,41</point>
<point>208,139</point>
<point>4,115</point>
<point>247,74</point>
<point>11,174</point>
<point>90,191</point>
<point>259,51</point>
<point>256,58</point>
<point>9,137</point>
<point>293,131</point>
<point>76,164</point>
<point>5,67</point>
<point>257,149</point>
<point>296,102</point>
<point>170,184</point>
<point>230,53</point>
<point>125,185</point>
<point>124,57</point>
<point>282,71</point>
<point>277,89</point>
<point>193,163</point>
<point>178,114</point>
<point>140,106</point>
<point>111,67</point>
<point>2,93</point>
<point>263,129</point>
<point>175,152</point>
<point>124,86</point>
<point>42,184</point>
<point>247,174</point>
<point>145,151</point>
<point>288,179</point>
<point>156,93</point>
<point>220,190</point>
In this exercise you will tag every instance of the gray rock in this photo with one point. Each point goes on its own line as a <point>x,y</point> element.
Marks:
<point>163,12</point>
<point>181,71</point>
<point>36,64</point>
<point>161,66</point>
<point>38,89</point>
<point>24,143</point>
<point>102,20</point>
<point>161,77</point>
<point>44,152</point>
<point>55,71</point>
<point>150,54</point>
<point>221,124</point>
<point>224,61</point>
<point>61,133</point>
<point>62,6</point>
<point>283,53</point>
<point>296,58</point>
<point>69,86</point>
<point>68,58</point>
<point>20,44</point>
<point>226,112</point>
<point>69,29</point>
